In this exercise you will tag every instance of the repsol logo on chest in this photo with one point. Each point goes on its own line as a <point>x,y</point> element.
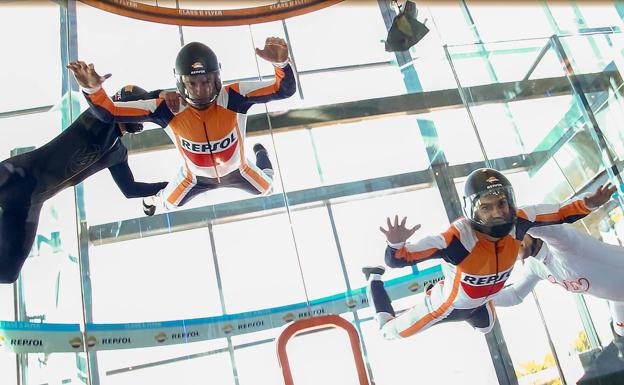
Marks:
<point>481,280</point>
<point>208,147</point>
<point>25,342</point>
<point>116,341</point>
<point>184,335</point>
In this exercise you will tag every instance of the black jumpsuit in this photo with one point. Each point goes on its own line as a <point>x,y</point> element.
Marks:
<point>27,180</point>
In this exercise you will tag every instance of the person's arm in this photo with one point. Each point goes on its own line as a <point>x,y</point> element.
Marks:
<point>514,294</point>
<point>154,110</point>
<point>242,95</point>
<point>556,236</point>
<point>401,254</point>
<point>557,213</point>
<point>123,177</point>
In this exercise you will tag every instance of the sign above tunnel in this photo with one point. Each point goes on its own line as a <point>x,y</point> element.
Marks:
<point>210,17</point>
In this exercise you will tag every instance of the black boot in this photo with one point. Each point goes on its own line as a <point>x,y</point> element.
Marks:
<point>262,159</point>
<point>149,210</point>
<point>368,270</point>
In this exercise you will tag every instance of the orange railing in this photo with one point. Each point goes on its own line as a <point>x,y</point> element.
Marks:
<point>320,322</point>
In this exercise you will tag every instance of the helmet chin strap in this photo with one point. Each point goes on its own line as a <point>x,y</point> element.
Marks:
<point>201,106</point>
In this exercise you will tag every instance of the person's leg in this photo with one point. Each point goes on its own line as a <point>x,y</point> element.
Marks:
<point>415,320</point>
<point>377,295</point>
<point>483,318</point>
<point>250,179</point>
<point>262,160</point>
<point>259,176</point>
<point>177,192</point>
<point>18,220</point>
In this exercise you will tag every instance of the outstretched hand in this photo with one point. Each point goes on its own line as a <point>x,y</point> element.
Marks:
<point>173,100</point>
<point>275,50</point>
<point>600,197</point>
<point>86,75</point>
<point>398,233</point>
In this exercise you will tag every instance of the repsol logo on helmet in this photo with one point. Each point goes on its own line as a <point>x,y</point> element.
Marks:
<point>210,147</point>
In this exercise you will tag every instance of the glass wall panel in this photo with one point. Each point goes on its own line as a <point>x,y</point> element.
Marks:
<point>171,277</point>
<point>144,57</point>
<point>248,253</point>
<point>33,74</point>
<point>32,130</point>
<point>333,44</point>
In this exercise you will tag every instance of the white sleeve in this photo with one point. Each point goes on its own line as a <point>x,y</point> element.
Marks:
<point>514,294</point>
<point>556,236</point>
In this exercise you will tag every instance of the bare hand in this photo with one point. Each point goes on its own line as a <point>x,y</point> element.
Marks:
<point>275,50</point>
<point>172,98</point>
<point>398,233</point>
<point>86,75</point>
<point>600,197</point>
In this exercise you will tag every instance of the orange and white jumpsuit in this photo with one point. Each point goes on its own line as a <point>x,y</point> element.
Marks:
<point>474,269</point>
<point>211,140</point>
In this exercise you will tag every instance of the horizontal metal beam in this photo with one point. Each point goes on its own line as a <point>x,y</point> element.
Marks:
<point>26,111</point>
<point>408,104</point>
<point>199,217</point>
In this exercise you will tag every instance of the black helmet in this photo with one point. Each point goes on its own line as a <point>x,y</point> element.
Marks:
<point>484,182</point>
<point>197,59</point>
<point>127,94</point>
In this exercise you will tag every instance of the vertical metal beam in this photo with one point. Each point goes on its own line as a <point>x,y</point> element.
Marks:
<point>291,54</point>
<point>500,356</point>
<point>71,110</point>
<point>215,261</point>
<point>19,306</point>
